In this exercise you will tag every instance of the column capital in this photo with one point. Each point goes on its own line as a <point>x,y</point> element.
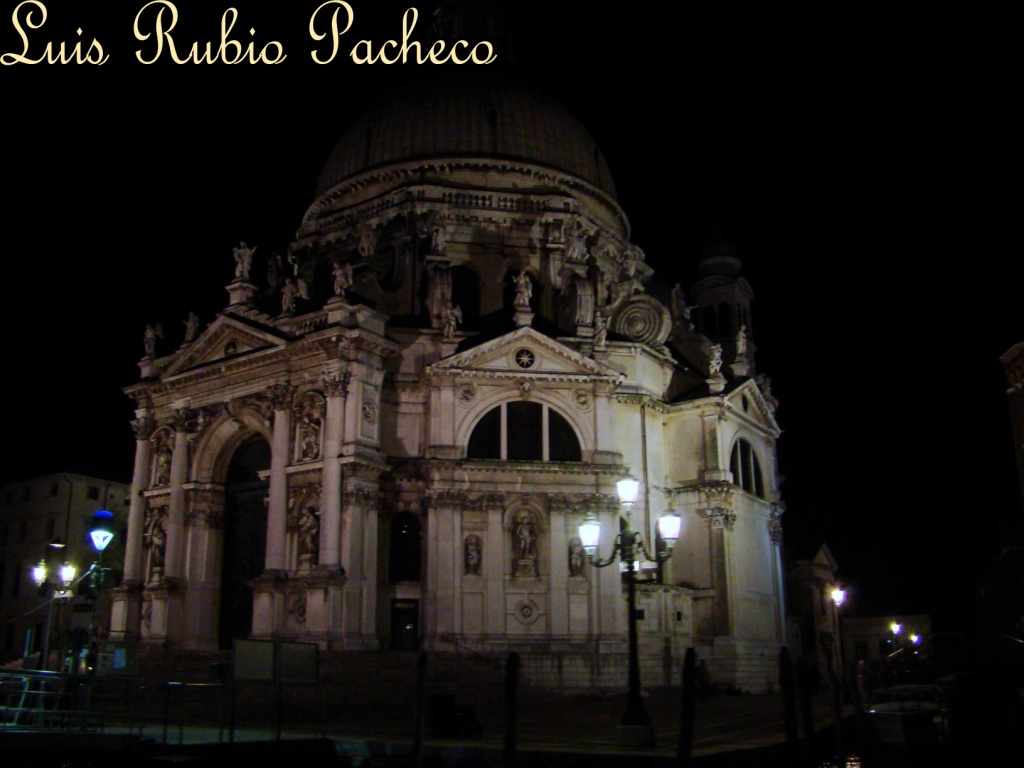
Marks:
<point>143,427</point>
<point>335,383</point>
<point>281,396</point>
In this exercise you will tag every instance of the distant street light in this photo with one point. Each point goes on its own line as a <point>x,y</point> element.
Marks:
<point>896,627</point>
<point>628,545</point>
<point>838,598</point>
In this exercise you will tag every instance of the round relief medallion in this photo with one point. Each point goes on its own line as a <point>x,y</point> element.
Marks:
<point>467,392</point>
<point>369,412</point>
<point>527,612</point>
<point>525,358</point>
<point>582,398</point>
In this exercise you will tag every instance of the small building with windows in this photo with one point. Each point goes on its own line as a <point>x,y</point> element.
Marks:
<point>388,436</point>
<point>47,519</point>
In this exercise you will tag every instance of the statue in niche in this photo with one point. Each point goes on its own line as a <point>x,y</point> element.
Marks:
<point>576,556</point>
<point>438,234</point>
<point>741,342</point>
<point>474,548</point>
<point>600,329</point>
<point>309,536</point>
<point>289,293</point>
<point>243,260</point>
<point>275,270</point>
<point>293,259</point>
<point>367,241</point>
<point>715,364</point>
<point>309,436</point>
<point>343,278</point>
<point>155,540</point>
<point>452,318</point>
<point>524,290</point>
<point>525,545</point>
<point>152,333</point>
<point>162,466</point>
<point>575,245</point>
<point>191,327</point>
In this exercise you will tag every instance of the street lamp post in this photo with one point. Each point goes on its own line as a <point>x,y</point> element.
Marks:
<point>55,591</point>
<point>635,729</point>
<point>101,532</point>
<point>838,598</point>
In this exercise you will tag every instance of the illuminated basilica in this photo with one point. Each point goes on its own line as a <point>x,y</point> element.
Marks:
<point>389,436</point>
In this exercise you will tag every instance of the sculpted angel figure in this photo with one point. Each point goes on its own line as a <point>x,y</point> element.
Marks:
<point>715,365</point>
<point>741,341</point>
<point>153,332</point>
<point>191,326</point>
<point>452,318</point>
<point>243,260</point>
<point>155,539</point>
<point>309,534</point>
<point>438,234</point>
<point>343,278</point>
<point>600,329</point>
<point>289,293</point>
<point>275,269</point>
<point>681,312</point>
<point>524,290</point>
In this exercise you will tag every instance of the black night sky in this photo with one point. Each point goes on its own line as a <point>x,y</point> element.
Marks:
<point>858,155</point>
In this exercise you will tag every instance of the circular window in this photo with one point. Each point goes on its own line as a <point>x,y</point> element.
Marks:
<point>525,358</point>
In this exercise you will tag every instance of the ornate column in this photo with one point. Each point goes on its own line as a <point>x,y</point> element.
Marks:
<point>775,533</point>
<point>126,605</point>
<point>133,575</point>
<point>559,559</point>
<point>495,564</point>
<point>335,386</point>
<point>280,457</point>
<point>174,559</point>
<point>718,498</point>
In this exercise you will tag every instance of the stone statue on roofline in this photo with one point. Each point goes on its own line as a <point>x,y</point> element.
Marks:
<point>152,333</point>
<point>524,290</point>
<point>191,327</point>
<point>243,260</point>
<point>343,278</point>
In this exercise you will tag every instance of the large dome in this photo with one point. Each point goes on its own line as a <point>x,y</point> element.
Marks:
<point>467,115</point>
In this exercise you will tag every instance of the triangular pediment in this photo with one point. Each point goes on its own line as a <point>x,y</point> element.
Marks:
<point>226,338</point>
<point>756,408</point>
<point>825,559</point>
<point>526,352</point>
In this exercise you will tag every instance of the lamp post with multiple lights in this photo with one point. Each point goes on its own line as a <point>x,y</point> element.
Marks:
<point>635,728</point>
<point>54,586</point>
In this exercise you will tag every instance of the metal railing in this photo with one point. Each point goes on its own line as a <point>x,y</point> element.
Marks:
<point>31,700</point>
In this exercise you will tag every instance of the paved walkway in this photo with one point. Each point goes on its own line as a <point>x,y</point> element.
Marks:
<point>556,731</point>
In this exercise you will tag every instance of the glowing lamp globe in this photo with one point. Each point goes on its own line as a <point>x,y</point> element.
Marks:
<point>102,530</point>
<point>590,534</point>
<point>628,488</point>
<point>669,525</point>
<point>67,573</point>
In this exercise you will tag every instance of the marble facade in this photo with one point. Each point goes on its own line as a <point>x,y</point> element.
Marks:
<point>458,356</point>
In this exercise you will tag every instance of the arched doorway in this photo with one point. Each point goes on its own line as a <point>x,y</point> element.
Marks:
<point>404,572</point>
<point>245,538</point>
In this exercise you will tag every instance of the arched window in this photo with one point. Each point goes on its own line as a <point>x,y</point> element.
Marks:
<point>524,431</point>
<point>746,469</point>
<point>404,553</point>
